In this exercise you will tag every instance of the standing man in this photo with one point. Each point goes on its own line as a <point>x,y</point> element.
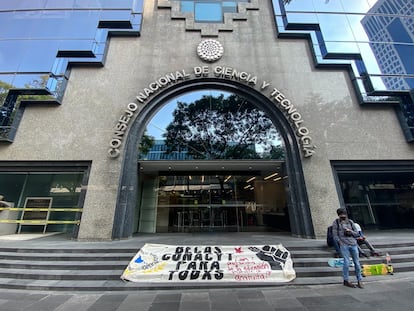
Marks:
<point>345,234</point>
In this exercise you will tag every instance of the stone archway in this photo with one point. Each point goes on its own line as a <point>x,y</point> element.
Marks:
<point>298,206</point>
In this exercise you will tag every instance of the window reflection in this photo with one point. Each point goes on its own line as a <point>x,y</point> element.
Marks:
<point>39,38</point>
<point>346,25</point>
<point>380,32</point>
<point>379,200</point>
<point>209,10</point>
<point>210,125</point>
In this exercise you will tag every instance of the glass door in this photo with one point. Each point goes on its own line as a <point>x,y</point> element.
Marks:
<point>211,202</point>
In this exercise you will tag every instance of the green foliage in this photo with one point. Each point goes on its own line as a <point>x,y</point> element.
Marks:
<point>147,143</point>
<point>219,128</point>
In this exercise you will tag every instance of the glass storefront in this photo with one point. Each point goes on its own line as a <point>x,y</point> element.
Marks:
<point>379,200</point>
<point>216,163</point>
<point>212,202</point>
<point>40,201</point>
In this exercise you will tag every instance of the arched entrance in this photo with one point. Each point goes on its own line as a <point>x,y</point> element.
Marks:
<point>130,193</point>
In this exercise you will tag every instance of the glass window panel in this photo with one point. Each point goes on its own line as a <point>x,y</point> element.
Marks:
<point>335,27</point>
<point>371,3</point>
<point>207,139</point>
<point>303,18</point>
<point>187,6</point>
<point>341,47</point>
<point>19,24</point>
<point>83,24</point>
<point>208,12</point>
<point>60,66</point>
<point>6,20</point>
<point>76,45</point>
<point>111,4</point>
<point>369,58</point>
<point>398,31</point>
<point>410,82</point>
<point>5,84</point>
<point>405,58</point>
<point>53,24</point>
<point>61,4</point>
<point>11,185</point>
<point>11,54</point>
<point>327,6</point>
<point>26,4</point>
<point>377,83</point>
<point>37,185</point>
<point>31,81</point>
<point>299,5</point>
<point>39,57</point>
<point>230,7</point>
<point>355,6</point>
<point>276,7</point>
<point>112,15</point>
<point>358,30</point>
<point>138,6</point>
<point>136,19</point>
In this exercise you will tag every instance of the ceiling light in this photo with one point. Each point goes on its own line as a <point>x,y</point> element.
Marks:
<point>270,176</point>
<point>250,179</point>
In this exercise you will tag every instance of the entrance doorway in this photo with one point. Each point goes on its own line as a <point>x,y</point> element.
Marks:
<point>209,123</point>
<point>194,198</point>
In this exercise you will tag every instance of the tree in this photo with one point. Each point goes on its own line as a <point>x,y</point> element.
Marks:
<point>220,128</point>
<point>147,142</point>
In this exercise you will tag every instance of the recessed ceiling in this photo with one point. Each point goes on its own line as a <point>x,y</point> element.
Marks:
<point>213,166</point>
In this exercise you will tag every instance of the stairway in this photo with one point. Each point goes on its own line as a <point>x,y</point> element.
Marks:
<point>311,265</point>
<point>99,269</point>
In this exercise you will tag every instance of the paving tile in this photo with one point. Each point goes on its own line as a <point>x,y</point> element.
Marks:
<point>165,306</point>
<point>249,294</point>
<point>195,297</point>
<point>108,302</point>
<point>255,304</point>
<point>18,305</point>
<point>283,303</point>
<point>79,302</point>
<point>195,306</point>
<point>50,302</point>
<point>347,307</point>
<point>167,297</point>
<point>231,305</point>
<point>129,304</point>
<point>302,308</point>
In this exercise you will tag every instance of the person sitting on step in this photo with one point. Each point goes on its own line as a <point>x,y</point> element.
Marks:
<point>362,240</point>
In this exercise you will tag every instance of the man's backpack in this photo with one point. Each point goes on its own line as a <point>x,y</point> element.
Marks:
<point>329,234</point>
<point>329,237</point>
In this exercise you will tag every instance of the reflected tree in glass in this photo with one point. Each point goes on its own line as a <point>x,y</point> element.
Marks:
<point>219,127</point>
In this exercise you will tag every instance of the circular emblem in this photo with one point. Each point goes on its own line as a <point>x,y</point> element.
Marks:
<point>210,50</point>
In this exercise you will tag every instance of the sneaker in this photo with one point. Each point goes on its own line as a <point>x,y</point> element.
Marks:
<point>349,284</point>
<point>360,284</point>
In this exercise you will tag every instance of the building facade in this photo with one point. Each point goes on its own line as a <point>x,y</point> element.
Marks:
<point>143,116</point>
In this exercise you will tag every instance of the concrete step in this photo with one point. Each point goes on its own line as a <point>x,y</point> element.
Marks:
<point>99,269</point>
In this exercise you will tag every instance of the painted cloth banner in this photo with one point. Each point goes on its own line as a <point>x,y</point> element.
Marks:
<point>172,263</point>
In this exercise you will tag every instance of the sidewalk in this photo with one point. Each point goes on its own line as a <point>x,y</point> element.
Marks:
<point>384,295</point>
<point>391,293</point>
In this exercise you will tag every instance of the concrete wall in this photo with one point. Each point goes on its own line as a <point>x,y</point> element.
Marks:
<point>81,128</point>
